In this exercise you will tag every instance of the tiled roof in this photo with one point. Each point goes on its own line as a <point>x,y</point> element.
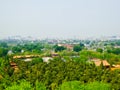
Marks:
<point>98,62</point>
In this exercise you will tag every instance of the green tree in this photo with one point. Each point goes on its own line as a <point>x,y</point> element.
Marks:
<point>99,50</point>
<point>72,85</point>
<point>16,49</point>
<point>22,85</point>
<point>4,45</point>
<point>78,48</point>
<point>36,61</point>
<point>97,86</point>
<point>3,52</point>
<point>39,86</point>
<point>59,48</point>
<point>76,85</point>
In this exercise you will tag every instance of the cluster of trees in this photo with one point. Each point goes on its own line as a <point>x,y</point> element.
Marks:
<point>76,85</point>
<point>27,48</point>
<point>30,47</point>
<point>25,85</point>
<point>68,71</point>
<point>56,75</point>
<point>113,42</point>
<point>59,48</point>
<point>3,52</point>
<point>3,49</point>
<point>117,43</point>
<point>110,57</point>
<point>78,47</point>
<point>99,50</point>
<point>3,44</point>
<point>114,50</point>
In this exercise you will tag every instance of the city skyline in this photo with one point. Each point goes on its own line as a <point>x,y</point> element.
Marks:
<point>59,19</point>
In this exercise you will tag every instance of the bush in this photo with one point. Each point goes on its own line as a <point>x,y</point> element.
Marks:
<point>76,85</point>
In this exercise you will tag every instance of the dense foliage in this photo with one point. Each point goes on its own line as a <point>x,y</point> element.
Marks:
<point>55,73</point>
<point>76,85</point>
<point>78,47</point>
<point>70,70</point>
<point>59,48</point>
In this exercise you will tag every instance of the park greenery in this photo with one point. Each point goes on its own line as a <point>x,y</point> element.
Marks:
<point>67,70</point>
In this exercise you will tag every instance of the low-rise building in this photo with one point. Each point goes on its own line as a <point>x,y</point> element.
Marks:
<point>98,62</point>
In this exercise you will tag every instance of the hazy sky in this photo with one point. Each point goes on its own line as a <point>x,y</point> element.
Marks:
<point>59,18</point>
